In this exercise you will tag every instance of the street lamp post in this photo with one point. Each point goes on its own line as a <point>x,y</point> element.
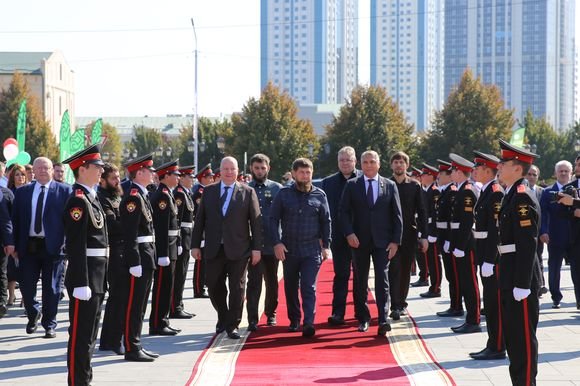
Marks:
<point>310,150</point>
<point>577,146</point>
<point>195,141</point>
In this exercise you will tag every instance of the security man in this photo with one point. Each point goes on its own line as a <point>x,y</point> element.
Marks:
<point>139,255</point>
<point>184,201</point>
<point>519,274</point>
<point>86,243</point>
<point>167,242</point>
<point>486,237</point>
<point>462,242</point>
<point>432,193</point>
<point>205,177</point>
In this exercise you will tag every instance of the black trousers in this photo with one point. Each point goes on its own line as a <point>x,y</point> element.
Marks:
<point>520,321</point>
<point>361,260</point>
<point>136,292</point>
<point>84,325</point>
<point>400,273</point>
<point>3,279</point>
<point>469,286</point>
<point>115,307</point>
<point>268,269</point>
<point>422,263</point>
<point>492,305</point>
<point>435,267</point>
<point>161,296</point>
<point>452,277</point>
<point>199,276</point>
<point>181,266</point>
<point>341,262</point>
<point>229,307</point>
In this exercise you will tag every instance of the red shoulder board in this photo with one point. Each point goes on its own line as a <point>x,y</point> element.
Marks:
<point>521,188</point>
<point>453,187</point>
<point>496,188</point>
<point>433,187</point>
<point>134,192</point>
<point>468,186</point>
<point>200,189</point>
<point>79,193</point>
<point>180,190</point>
<point>165,190</point>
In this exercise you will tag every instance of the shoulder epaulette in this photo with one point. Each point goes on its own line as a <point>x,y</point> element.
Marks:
<point>521,188</point>
<point>453,187</point>
<point>200,190</point>
<point>165,190</point>
<point>180,190</point>
<point>495,188</point>
<point>468,186</point>
<point>434,187</point>
<point>134,192</point>
<point>79,193</point>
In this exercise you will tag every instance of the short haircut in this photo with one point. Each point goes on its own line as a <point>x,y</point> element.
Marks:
<point>577,158</point>
<point>370,153</point>
<point>260,158</point>
<point>563,163</point>
<point>28,167</point>
<point>525,166</point>
<point>400,155</point>
<point>534,167</point>
<point>348,150</point>
<point>302,163</point>
<point>56,164</point>
<point>108,169</point>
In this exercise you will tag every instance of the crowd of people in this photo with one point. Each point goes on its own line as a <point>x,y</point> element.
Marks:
<point>465,219</point>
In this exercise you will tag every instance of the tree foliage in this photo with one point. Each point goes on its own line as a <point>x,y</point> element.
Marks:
<point>370,119</point>
<point>208,133</point>
<point>113,146</point>
<point>145,140</point>
<point>270,125</point>
<point>473,118</point>
<point>40,140</point>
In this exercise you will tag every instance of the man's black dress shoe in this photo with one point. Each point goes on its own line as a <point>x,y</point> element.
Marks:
<point>430,294</point>
<point>488,355</point>
<point>271,321</point>
<point>219,328</point>
<point>165,331</point>
<point>177,330</point>
<point>335,320</point>
<point>363,326</point>
<point>150,353</point>
<point>420,283</point>
<point>383,329</point>
<point>234,334</point>
<point>138,356</point>
<point>308,330</point>
<point>467,328</point>
<point>3,310</point>
<point>450,312</point>
<point>294,326</point>
<point>556,305</point>
<point>252,326</point>
<point>180,315</point>
<point>395,314</point>
<point>117,350</point>
<point>32,324</point>
<point>49,334</point>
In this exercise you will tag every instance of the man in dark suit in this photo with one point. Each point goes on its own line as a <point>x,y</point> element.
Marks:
<point>229,215</point>
<point>574,221</point>
<point>555,231</point>
<point>371,219</point>
<point>39,238</point>
<point>532,177</point>
<point>333,186</point>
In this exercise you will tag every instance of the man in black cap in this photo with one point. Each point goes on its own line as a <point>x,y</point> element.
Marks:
<point>87,247</point>
<point>519,278</point>
<point>486,215</point>
<point>446,199</point>
<point>184,201</point>
<point>205,177</point>
<point>167,242</point>
<point>139,255</point>
<point>431,198</point>
<point>462,243</point>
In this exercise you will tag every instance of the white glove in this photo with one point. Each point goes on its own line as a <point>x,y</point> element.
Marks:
<point>520,293</point>
<point>446,247</point>
<point>163,261</point>
<point>432,239</point>
<point>136,271</point>
<point>487,270</point>
<point>82,293</point>
<point>458,253</point>
<point>179,250</point>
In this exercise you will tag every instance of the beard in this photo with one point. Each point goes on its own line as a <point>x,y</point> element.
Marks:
<point>399,172</point>
<point>258,179</point>
<point>303,186</point>
<point>115,191</point>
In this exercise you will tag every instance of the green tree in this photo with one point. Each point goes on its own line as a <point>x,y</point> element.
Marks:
<point>40,140</point>
<point>370,119</point>
<point>209,131</point>
<point>145,140</point>
<point>270,125</point>
<point>473,118</point>
<point>113,147</point>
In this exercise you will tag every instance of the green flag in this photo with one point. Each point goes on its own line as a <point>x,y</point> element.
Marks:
<point>97,131</point>
<point>518,137</point>
<point>65,136</point>
<point>21,126</point>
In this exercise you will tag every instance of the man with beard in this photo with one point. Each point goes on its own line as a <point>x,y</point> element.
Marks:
<point>414,222</point>
<point>266,190</point>
<point>302,211</point>
<point>205,177</point>
<point>109,195</point>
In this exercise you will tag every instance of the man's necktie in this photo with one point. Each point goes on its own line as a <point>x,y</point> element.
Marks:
<point>223,199</point>
<point>39,210</point>
<point>370,195</point>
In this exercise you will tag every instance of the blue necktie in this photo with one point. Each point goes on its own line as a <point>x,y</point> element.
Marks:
<point>370,195</point>
<point>223,200</point>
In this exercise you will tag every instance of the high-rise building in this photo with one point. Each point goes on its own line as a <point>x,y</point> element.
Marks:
<point>407,55</point>
<point>524,47</point>
<point>309,48</point>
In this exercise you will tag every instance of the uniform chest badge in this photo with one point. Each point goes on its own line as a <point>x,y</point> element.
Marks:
<point>523,210</point>
<point>131,207</point>
<point>178,201</point>
<point>268,193</point>
<point>76,213</point>
<point>162,204</point>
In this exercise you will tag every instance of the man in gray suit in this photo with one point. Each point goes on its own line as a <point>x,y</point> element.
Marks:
<point>532,177</point>
<point>229,219</point>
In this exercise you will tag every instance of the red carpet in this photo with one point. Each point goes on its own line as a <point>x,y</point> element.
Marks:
<point>336,355</point>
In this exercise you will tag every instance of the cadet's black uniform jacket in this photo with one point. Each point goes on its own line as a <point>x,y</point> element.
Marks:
<point>486,218</point>
<point>462,218</point>
<point>185,206</point>
<point>166,222</point>
<point>137,224</point>
<point>432,195</point>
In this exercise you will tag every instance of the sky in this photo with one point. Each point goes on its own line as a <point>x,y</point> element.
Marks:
<point>135,58</point>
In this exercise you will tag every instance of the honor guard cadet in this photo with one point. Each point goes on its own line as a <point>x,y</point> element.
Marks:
<point>428,181</point>
<point>486,237</point>
<point>167,242</point>
<point>184,200</point>
<point>519,273</point>
<point>204,177</point>
<point>443,218</point>
<point>138,254</point>
<point>87,249</point>
<point>462,242</point>
<point>420,257</point>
